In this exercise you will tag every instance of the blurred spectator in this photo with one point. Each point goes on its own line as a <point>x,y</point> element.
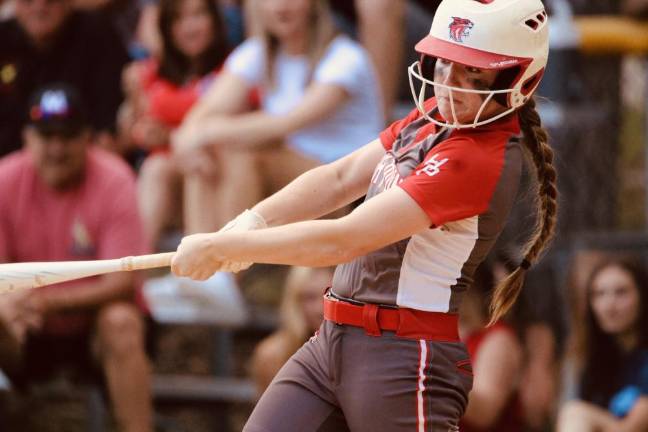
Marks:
<point>14,322</point>
<point>497,358</point>
<point>536,318</point>
<point>636,8</point>
<point>379,25</point>
<point>300,315</point>
<point>320,101</point>
<point>48,41</point>
<point>612,352</point>
<point>63,199</point>
<point>149,38</point>
<point>124,16</point>
<point>6,9</point>
<point>159,94</point>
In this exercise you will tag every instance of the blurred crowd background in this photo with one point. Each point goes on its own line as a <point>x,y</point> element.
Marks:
<point>126,124</point>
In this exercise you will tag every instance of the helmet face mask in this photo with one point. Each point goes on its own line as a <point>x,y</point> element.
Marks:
<point>423,71</point>
<point>510,36</point>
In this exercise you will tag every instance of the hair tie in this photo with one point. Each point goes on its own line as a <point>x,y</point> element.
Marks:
<point>525,264</point>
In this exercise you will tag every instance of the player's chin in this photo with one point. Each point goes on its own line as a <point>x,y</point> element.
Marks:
<point>459,115</point>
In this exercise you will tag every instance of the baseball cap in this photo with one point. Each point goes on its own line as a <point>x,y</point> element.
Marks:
<point>57,109</point>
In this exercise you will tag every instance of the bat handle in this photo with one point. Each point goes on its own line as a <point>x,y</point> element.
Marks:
<point>143,262</point>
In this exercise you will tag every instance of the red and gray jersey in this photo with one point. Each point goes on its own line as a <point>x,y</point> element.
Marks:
<point>466,181</point>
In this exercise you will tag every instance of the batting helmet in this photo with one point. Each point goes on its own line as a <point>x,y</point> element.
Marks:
<point>507,35</point>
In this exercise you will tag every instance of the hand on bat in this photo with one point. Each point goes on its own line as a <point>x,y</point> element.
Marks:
<point>195,258</point>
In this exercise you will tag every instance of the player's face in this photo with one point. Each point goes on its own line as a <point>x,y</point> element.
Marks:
<point>41,19</point>
<point>59,160</point>
<point>614,299</point>
<point>192,29</point>
<point>286,18</point>
<point>466,105</point>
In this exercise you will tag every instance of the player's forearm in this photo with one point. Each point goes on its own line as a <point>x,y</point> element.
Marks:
<point>107,288</point>
<point>313,194</point>
<point>309,243</point>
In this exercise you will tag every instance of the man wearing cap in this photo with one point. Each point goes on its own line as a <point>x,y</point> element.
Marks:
<point>48,41</point>
<point>63,199</point>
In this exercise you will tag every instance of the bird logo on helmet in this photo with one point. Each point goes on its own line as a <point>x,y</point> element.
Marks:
<point>460,28</point>
<point>510,36</point>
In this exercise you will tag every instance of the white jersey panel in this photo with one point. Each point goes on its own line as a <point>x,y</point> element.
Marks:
<point>432,265</point>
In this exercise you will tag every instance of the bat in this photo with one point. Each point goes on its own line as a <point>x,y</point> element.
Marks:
<point>26,275</point>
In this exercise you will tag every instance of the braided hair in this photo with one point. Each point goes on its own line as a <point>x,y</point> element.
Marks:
<point>535,140</point>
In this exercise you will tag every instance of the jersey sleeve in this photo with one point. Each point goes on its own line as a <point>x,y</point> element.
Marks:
<point>248,61</point>
<point>454,182</point>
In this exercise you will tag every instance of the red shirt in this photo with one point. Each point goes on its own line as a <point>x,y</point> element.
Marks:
<point>168,102</point>
<point>97,220</point>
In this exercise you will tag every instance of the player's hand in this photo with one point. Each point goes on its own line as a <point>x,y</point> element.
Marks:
<point>194,257</point>
<point>247,221</point>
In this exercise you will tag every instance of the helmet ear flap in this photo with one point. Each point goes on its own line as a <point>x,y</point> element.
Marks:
<point>504,80</point>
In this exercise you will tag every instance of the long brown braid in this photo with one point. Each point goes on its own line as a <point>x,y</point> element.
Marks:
<point>536,143</point>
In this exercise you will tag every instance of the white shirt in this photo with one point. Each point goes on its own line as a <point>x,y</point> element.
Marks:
<point>346,64</point>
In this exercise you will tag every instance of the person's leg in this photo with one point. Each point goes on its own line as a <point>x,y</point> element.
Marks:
<point>120,348</point>
<point>157,195</point>
<point>392,384</point>
<point>300,398</point>
<point>210,201</point>
<point>286,406</point>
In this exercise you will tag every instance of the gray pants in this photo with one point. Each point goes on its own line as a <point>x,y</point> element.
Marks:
<point>344,380</point>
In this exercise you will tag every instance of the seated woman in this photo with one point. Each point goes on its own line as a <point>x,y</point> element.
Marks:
<point>496,353</point>
<point>319,101</point>
<point>613,353</point>
<point>162,92</point>
<point>300,315</point>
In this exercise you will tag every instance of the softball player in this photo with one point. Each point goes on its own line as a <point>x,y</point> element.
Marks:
<point>439,186</point>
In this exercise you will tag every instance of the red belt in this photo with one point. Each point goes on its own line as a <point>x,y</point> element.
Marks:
<point>407,323</point>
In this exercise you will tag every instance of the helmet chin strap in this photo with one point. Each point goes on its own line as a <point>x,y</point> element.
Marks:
<point>415,71</point>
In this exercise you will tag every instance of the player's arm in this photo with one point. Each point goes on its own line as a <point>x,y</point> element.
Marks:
<point>323,189</point>
<point>389,217</point>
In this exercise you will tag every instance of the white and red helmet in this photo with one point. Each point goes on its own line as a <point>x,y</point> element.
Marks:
<point>508,35</point>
